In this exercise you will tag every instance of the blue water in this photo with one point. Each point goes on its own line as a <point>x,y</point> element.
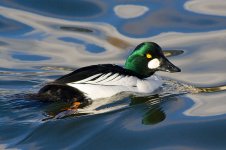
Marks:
<point>43,40</point>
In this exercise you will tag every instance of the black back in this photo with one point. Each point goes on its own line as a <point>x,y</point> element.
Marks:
<point>88,71</point>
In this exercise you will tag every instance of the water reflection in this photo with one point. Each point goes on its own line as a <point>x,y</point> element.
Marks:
<point>209,7</point>
<point>154,116</point>
<point>3,43</point>
<point>40,42</point>
<point>158,18</point>
<point>154,112</point>
<point>26,57</point>
<point>207,105</point>
<point>130,11</point>
<point>169,53</point>
<point>63,9</point>
<point>211,89</point>
<point>76,29</point>
<point>7,26</point>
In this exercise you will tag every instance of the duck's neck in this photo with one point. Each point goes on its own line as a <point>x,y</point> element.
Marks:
<point>140,70</point>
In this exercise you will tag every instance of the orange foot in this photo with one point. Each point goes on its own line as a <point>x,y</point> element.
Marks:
<point>73,106</point>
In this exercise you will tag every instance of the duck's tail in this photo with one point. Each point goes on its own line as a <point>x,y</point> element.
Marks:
<point>61,92</point>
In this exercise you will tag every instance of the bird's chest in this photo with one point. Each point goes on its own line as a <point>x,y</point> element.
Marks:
<point>149,85</point>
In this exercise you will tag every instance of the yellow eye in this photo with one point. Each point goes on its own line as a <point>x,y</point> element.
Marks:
<point>148,55</point>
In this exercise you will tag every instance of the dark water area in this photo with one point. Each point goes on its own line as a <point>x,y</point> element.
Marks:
<point>43,40</point>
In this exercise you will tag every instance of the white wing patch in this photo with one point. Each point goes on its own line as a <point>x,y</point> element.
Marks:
<point>88,79</point>
<point>109,84</point>
<point>109,79</point>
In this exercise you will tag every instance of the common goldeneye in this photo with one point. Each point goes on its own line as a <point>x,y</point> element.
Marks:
<point>105,80</point>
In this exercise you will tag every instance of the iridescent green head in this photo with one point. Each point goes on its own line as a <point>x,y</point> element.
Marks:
<point>147,58</point>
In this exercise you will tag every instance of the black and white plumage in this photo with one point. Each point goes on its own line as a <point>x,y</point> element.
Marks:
<point>86,72</point>
<point>106,80</point>
<point>102,81</point>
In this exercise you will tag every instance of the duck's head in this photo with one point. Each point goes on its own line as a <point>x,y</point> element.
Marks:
<point>147,58</point>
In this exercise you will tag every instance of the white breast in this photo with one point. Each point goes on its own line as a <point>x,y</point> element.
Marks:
<point>107,85</point>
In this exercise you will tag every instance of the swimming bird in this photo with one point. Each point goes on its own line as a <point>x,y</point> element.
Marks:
<point>106,80</point>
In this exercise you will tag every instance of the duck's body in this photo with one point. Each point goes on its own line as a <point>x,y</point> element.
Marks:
<point>106,80</point>
<point>102,81</point>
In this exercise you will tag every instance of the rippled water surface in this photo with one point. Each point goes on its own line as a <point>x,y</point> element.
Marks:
<point>42,40</point>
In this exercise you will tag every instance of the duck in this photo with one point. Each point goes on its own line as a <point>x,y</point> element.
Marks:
<point>94,82</point>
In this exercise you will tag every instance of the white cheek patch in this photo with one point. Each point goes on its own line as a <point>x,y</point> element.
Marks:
<point>154,63</point>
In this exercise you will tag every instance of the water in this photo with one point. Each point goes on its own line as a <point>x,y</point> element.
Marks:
<point>40,41</point>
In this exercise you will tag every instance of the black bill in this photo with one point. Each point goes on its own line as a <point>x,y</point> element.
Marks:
<point>167,66</point>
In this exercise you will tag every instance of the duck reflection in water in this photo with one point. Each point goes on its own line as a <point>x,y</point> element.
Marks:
<point>155,107</point>
<point>155,114</point>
